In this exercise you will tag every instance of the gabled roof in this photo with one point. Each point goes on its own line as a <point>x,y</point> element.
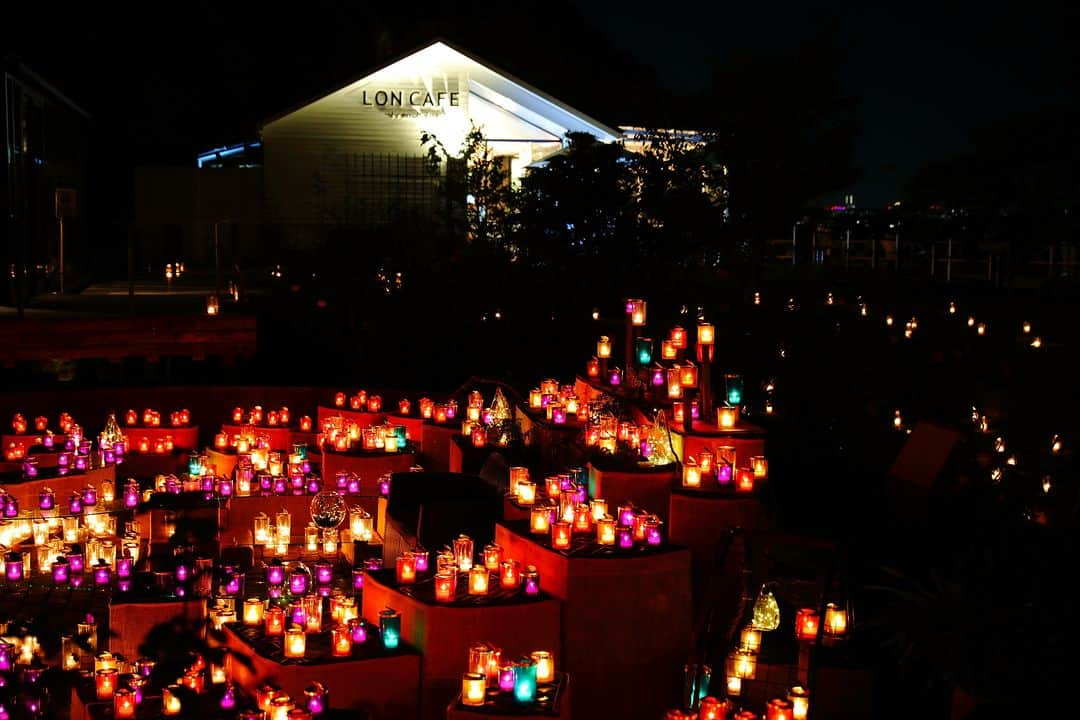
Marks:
<point>495,86</point>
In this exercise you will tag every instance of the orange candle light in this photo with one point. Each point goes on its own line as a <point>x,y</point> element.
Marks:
<point>605,530</point>
<point>835,620</point>
<point>493,557</point>
<point>509,574</point>
<point>560,535</point>
<point>540,521</point>
<point>678,338</point>
<point>778,709</point>
<point>592,367</point>
<point>478,580</point>
<point>221,441</point>
<point>305,424</point>
<point>744,480</point>
<point>582,518</point>
<point>545,666</point>
<point>473,689</point>
<point>727,417</point>
<point>406,568</point>
<point>131,417</point>
<point>274,618</point>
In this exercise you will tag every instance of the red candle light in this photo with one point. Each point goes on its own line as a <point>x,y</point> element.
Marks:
<point>339,399</point>
<point>406,568</point>
<point>274,618</point>
<point>744,480</point>
<point>221,441</point>
<point>18,423</point>
<point>404,406</point>
<point>678,411</point>
<point>479,436</point>
<point>131,417</point>
<point>238,415</point>
<point>806,624</point>
<point>41,423</point>
<point>445,585</point>
<point>355,402</point>
<point>341,641</point>
<point>592,367</point>
<point>778,709</point>
<point>272,418</point>
<point>678,338</point>
<point>374,403</point>
<point>144,445</point>
<point>305,424</point>
<point>284,415</point>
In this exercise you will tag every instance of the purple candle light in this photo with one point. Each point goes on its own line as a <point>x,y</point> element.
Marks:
<point>305,467</point>
<point>581,494</point>
<point>7,656</point>
<point>89,496</point>
<point>123,567</point>
<point>118,450</point>
<point>566,481</point>
<point>296,481</point>
<point>75,561</point>
<point>266,483</point>
<point>275,574</point>
<point>695,410</point>
<point>11,506</point>
<point>359,631</point>
<point>13,563</point>
<point>615,377</point>
<point>298,582</point>
<point>275,592</point>
<point>109,456</point>
<point>30,467</point>
<point>60,571</point>
<point>358,578</point>
<point>48,441</point>
<point>228,699</point>
<point>374,563</point>
<point>421,557</point>
<point>626,538</point>
<point>652,535</point>
<point>342,479</point>
<point>658,377</point>
<point>316,696</point>
<point>131,493</point>
<point>182,573</point>
<point>384,487</point>
<point>80,462</point>
<point>123,585</point>
<point>232,585</point>
<point>225,488</point>
<point>314,485</point>
<point>723,473</point>
<point>298,614</point>
<point>172,485</point>
<point>180,591</point>
<point>46,499</point>
<point>69,444</point>
<point>506,679</point>
<point>532,583</point>
<point>353,487</point>
<point>280,486</point>
<point>102,573</point>
<point>207,483</point>
<point>324,573</point>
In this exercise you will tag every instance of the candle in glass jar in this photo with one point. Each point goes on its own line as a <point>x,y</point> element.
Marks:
<point>560,535</point>
<point>493,557</point>
<point>390,627</point>
<point>473,689</point>
<point>605,530</point>
<point>744,480</point>
<point>625,537</point>
<point>341,641</point>
<point>539,520</point>
<point>170,700</point>
<point>274,618</point>
<point>545,666</point>
<point>478,580</point>
<point>750,638</point>
<point>123,704</point>
<point>806,624</point>
<point>778,709</point>
<point>406,568</point>
<point>295,642</point>
<point>445,585</point>
<point>105,683</point>
<point>532,581</point>
<point>835,620</point>
<point>253,611</point>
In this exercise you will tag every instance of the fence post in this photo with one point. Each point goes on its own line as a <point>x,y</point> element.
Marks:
<point>948,262</point>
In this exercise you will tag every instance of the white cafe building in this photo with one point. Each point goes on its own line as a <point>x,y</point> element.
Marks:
<point>354,157</point>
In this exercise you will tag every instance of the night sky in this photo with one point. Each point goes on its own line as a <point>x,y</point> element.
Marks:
<point>925,77</point>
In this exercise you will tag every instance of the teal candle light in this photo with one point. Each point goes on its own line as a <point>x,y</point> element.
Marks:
<point>525,680</point>
<point>733,389</point>
<point>643,350</point>
<point>390,628</point>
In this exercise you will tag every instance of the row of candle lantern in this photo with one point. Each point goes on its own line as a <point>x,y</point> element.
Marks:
<point>794,706</point>
<point>152,418</point>
<point>257,416</point>
<point>341,435</point>
<point>486,670</point>
<point>360,401</point>
<point>722,467</point>
<point>41,423</point>
<point>451,564</point>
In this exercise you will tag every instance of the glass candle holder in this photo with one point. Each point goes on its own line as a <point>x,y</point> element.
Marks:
<point>560,535</point>
<point>778,709</point>
<point>274,621</point>
<point>605,530</point>
<point>170,700</point>
<point>478,580</point>
<point>253,612</point>
<point>445,586</point>
<point>341,641</point>
<point>493,557</point>
<point>539,521</point>
<point>473,689</point>
<point>545,666</point>
<point>390,627</point>
<point>799,697</point>
<point>463,553</point>
<point>105,683</point>
<point>358,630</point>
<point>695,684</point>
<point>525,680</point>
<point>295,644</point>
<point>316,699</point>
<point>406,568</point>
<point>531,579</point>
